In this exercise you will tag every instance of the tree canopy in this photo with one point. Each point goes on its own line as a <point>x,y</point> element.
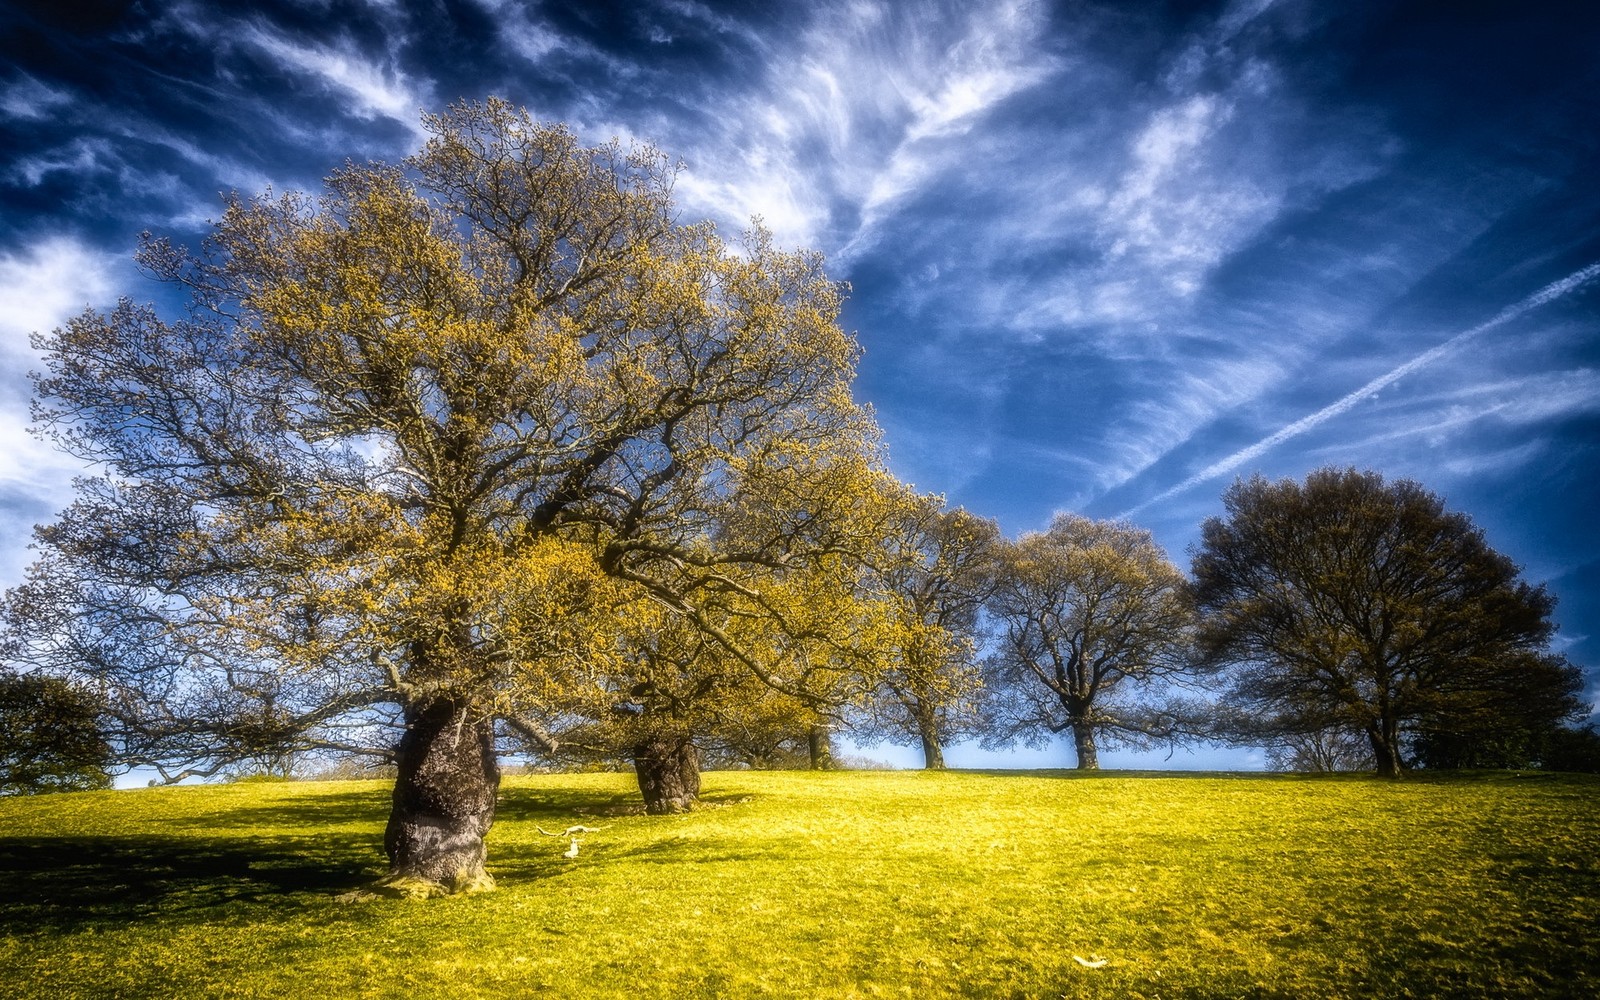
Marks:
<point>1352,603</point>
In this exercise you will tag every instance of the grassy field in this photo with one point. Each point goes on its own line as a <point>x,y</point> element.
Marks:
<point>826,885</point>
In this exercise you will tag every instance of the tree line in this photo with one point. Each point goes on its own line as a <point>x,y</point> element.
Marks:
<point>489,453</point>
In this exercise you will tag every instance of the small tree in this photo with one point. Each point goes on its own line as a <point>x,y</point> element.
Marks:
<point>1507,719</point>
<point>677,689</point>
<point>670,695</point>
<point>1089,609</point>
<point>1573,748</point>
<point>1352,603</point>
<point>51,738</point>
<point>933,575</point>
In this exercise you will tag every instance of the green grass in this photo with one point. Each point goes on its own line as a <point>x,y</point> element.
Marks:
<point>826,885</point>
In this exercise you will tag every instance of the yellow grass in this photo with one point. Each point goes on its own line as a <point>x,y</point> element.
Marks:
<point>1037,884</point>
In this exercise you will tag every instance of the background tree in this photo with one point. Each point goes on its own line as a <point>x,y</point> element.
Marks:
<point>934,573</point>
<point>1573,748</point>
<point>1508,718</point>
<point>674,693</point>
<point>50,736</point>
<point>1089,610</point>
<point>1352,603</point>
<point>411,438</point>
<point>1321,752</point>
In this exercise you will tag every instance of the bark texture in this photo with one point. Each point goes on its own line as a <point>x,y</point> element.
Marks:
<point>443,802</point>
<point>1088,753</point>
<point>932,751</point>
<point>669,774</point>
<point>820,745</point>
<point>925,713</point>
<point>1385,739</point>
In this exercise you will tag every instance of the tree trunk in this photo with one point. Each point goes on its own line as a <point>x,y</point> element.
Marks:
<point>443,802</point>
<point>928,730</point>
<point>1088,753</point>
<point>669,774</point>
<point>1385,740</point>
<point>821,748</point>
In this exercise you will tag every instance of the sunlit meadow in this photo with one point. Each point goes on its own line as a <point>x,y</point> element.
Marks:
<point>1026,884</point>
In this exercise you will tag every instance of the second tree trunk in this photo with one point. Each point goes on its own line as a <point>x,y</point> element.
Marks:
<point>669,774</point>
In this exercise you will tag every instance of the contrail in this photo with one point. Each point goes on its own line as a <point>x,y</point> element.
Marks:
<point>1543,296</point>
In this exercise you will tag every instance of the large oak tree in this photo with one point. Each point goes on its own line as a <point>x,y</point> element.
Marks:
<point>1348,602</point>
<point>415,444</point>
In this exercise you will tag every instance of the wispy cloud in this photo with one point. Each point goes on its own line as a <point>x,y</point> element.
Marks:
<point>81,155</point>
<point>520,32</point>
<point>863,109</point>
<point>1555,290</point>
<point>1449,419</point>
<point>28,99</point>
<point>376,90</point>
<point>41,287</point>
<point>1175,220</point>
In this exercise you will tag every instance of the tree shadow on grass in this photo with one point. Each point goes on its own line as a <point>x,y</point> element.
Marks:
<point>283,855</point>
<point>544,805</point>
<point>320,812</point>
<point>279,854</point>
<point>64,883</point>
<point>531,862</point>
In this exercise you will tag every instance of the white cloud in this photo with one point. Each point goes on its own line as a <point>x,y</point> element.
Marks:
<point>28,99</point>
<point>1544,296</point>
<point>80,156</point>
<point>1444,419</point>
<point>864,109</point>
<point>40,288</point>
<point>377,91</point>
<point>1500,462</point>
<point>1178,210</point>
<point>531,40</point>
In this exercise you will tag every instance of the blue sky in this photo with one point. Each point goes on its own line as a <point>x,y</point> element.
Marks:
<point>1105,256</point>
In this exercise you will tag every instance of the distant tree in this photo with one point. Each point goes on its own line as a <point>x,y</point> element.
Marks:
<point>410,435</point>
<point>1352,603</point>
<point>50,737</point>
<point>1323,751</point>
<point>1089,610</point>
<point>1509,718</point>
<point>1573,748</point>
<point>933,575</point>
<point>673,694</point>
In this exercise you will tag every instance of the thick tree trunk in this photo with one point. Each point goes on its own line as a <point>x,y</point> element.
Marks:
<point>443,802</point>
<point>1088,753</point>
<point>821,747</point>
<point>1385,742</point>
<point>669,774</point>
